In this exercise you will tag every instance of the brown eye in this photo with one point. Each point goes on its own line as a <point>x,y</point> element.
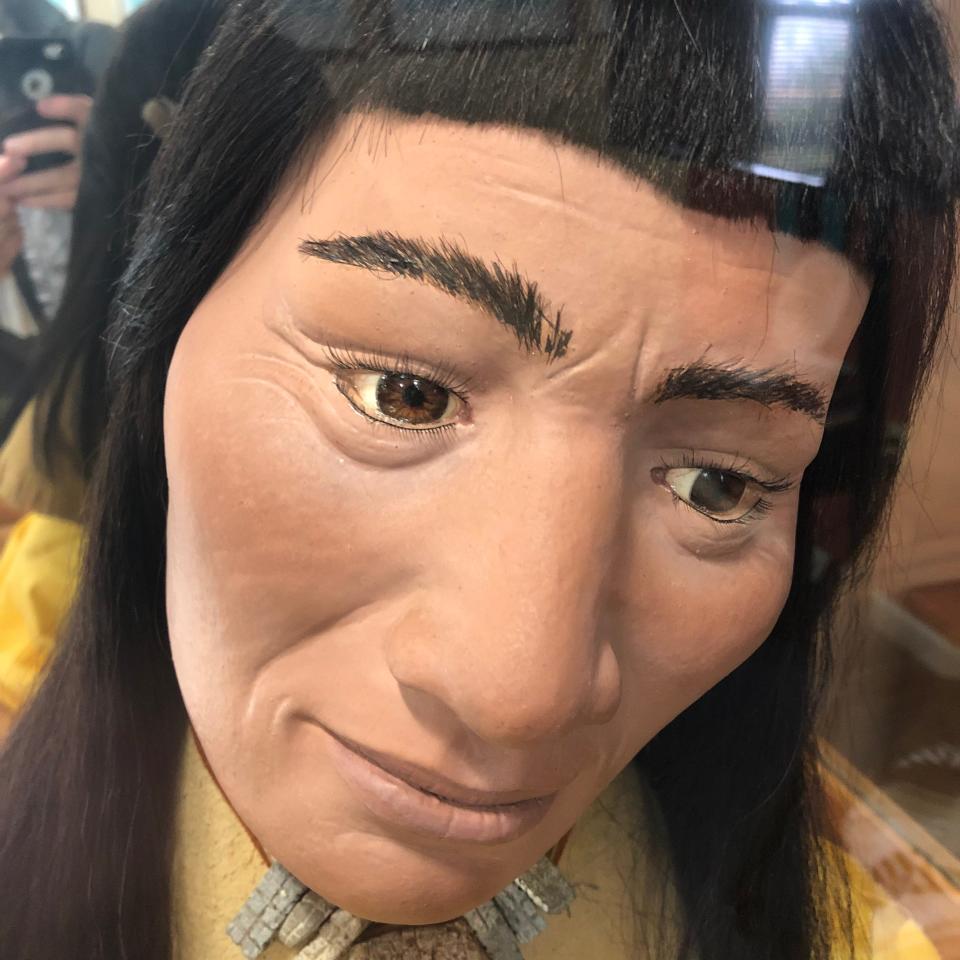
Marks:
<point>716,491</point>
<point>402,400</point>
<point>411,399</point>
<point>720,494</point>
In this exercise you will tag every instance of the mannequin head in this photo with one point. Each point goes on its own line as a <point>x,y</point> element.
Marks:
<point>535,653</point>
<point>486,432</point>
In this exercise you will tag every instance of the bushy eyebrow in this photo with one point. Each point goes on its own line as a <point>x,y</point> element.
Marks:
<point>502,292</point>
<point>772,387</point>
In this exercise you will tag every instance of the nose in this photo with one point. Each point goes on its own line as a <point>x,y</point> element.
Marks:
<point>510,635</point>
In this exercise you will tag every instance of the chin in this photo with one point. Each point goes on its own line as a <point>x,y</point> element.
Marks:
<point>409,889</point>
<point>413,909</point>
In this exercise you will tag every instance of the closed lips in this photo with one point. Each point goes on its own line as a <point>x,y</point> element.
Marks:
<point>435,785</point>
<point>419,802</point>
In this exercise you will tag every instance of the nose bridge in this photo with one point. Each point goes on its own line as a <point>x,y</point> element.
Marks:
<point>553,532</point>
<point>523,657</point>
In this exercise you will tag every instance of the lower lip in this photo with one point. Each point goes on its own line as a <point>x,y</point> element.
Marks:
<point>395,801</point>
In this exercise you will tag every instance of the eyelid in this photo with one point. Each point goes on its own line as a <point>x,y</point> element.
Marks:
<point>694,460</point>
<point>386,421</point>
<point>760,509</point>
<point>441,373</point>
<point>348,360</point>
<point>736,463</point>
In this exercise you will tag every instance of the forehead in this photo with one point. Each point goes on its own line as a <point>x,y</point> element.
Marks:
<point>621,260</point>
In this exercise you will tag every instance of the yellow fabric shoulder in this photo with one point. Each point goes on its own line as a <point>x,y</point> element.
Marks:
<point>38,574</point>
<point>884,930</point>
<point>25,487</point>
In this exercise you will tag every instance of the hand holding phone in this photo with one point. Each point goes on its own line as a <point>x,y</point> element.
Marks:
<point>56,186</point>
<point>44,106</point>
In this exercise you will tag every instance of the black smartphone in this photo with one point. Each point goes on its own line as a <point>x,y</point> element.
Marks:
<point>32,68</point>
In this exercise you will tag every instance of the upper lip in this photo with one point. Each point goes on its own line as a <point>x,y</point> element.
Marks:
<point>435,784</point>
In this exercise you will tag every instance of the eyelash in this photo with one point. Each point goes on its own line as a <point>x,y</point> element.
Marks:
<point>740,467</point>
<point>443,375</point>
<point>343,358</point>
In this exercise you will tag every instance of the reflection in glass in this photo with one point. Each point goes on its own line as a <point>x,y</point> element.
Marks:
<point>804,70</point>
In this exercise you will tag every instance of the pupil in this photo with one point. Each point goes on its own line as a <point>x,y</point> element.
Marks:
<point>413,396</point>
<point>716,491</point>
<point>411,399</point>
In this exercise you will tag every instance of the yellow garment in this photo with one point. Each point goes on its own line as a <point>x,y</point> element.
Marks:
<point>38,575</point>
<point>217,865</point>
<point>896,936</point>
<point>24,487</point>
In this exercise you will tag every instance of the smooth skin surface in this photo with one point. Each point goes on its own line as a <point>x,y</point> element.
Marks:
<point>519,601</point>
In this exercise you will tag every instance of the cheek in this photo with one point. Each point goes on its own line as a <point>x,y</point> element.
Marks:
<point>272,536</point>
<point>689,622</point>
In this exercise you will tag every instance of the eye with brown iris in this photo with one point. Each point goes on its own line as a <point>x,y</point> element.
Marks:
<point>722,495</point>
<point>411,399</point>
<point>402,400</point>
<point>717,491</point>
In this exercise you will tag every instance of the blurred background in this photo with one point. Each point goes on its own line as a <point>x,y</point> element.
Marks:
<point>107,11</point>
<point>894,736</point>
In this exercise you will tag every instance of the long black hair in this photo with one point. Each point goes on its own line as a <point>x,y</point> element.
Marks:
<point>670,90</point>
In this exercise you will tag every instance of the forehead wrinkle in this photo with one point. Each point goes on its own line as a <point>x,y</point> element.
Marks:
<point>576,171</point>
<point>757,267</point>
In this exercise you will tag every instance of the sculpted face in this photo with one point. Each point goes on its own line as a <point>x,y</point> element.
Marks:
<point>469,498</point>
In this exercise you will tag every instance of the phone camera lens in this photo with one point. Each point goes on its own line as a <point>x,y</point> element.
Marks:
<point>36,84</point>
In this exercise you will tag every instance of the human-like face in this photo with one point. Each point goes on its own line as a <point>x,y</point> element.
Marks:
<point>429,589</point>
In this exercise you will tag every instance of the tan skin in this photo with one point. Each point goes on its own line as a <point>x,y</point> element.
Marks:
<point>514,605</point>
